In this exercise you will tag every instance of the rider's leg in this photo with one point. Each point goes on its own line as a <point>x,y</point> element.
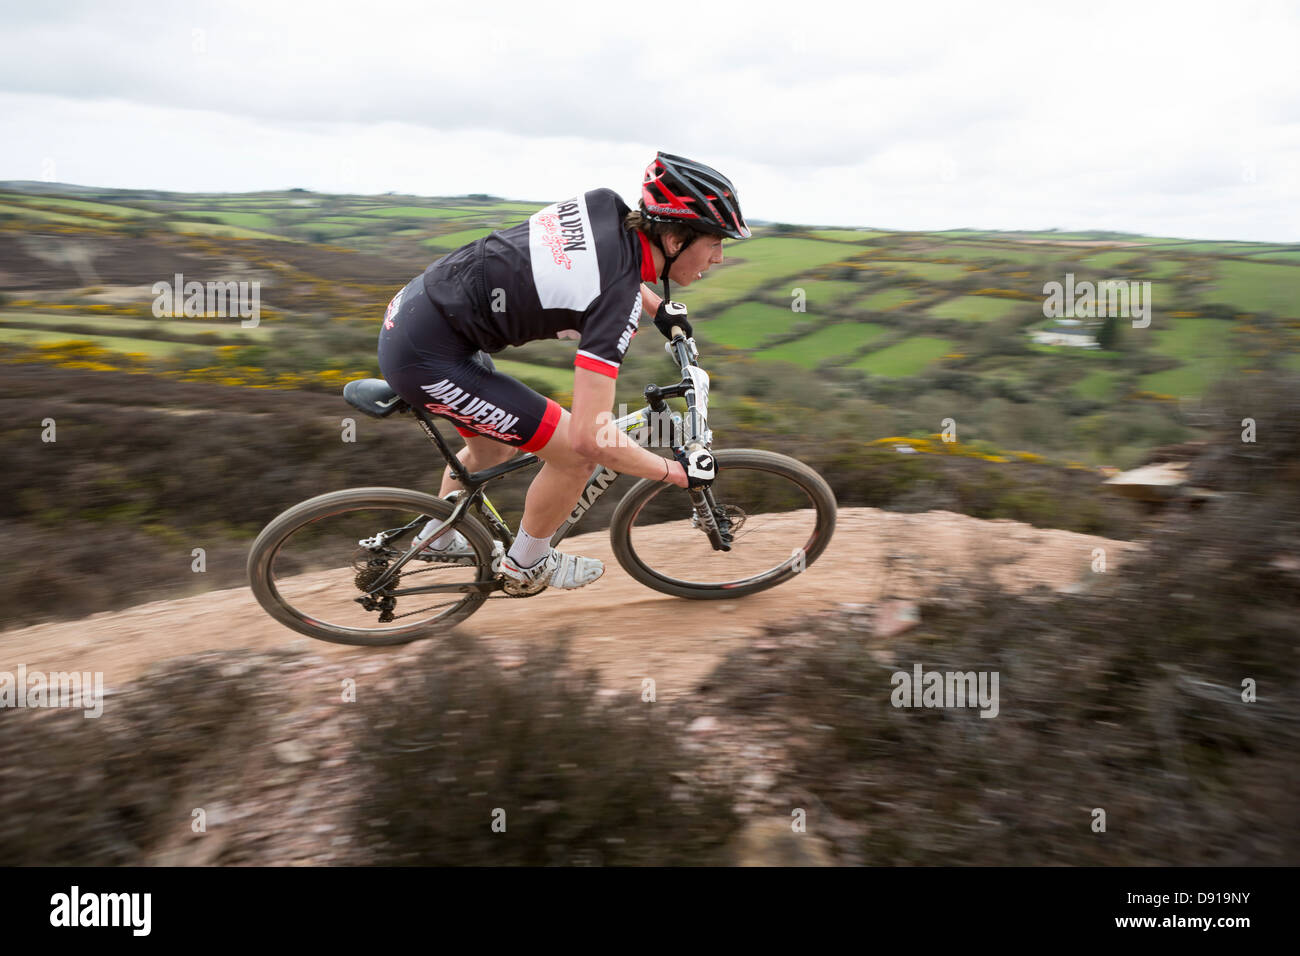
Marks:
<point>551,497</point>
<point>556,488</point>
<point>479,452</point>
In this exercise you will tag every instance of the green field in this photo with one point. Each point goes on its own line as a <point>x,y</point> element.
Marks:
<point>1098,385</point>
<point>931,271</point>
<point>759,262</point>
<point>1104,262</point>
<point>116,343</point>
<point>413,212</point>
<point>330,230</point>
<point>845,235</point>
<point>454,240</point>
<point>107,209</point>
<point>248,220</point>
<point>126,325</point>
<point>556,379</point>
<point>839,340</point>
<point>1224,248</point>
<point>745,326</point>
<point>41,214</point>
<point>1191,339</point>
<point>906,357</point>
<point>1188,381</point>
<point>977,308</point>
<point>511,207</point>
<point>215,229</point>
<point>886,299</point>
<point>1000,252</point>
<point>1204,346</point>
<point>824,293</point>
<point>1257,287</point>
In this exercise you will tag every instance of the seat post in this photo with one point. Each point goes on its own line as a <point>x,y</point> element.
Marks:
<point>454,463</point>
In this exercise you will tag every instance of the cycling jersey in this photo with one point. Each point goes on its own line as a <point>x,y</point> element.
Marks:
<point>432,366</point>
<point>570,271</point>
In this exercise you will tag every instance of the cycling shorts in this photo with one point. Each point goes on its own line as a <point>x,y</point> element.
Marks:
<point>434,367</point>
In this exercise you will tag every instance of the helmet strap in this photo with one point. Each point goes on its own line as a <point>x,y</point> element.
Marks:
<point>668,263</point>
<point>663,277</point>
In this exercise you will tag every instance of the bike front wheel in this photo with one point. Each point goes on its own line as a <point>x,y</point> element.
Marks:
<point>319,568</point>
<point>781,514</point>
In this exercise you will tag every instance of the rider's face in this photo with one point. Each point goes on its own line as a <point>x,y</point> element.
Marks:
<point>696,259</point>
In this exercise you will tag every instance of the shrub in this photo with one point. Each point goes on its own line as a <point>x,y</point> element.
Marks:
<point>582,780</point>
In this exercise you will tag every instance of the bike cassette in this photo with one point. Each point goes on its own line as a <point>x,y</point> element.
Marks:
<point>368,570</point>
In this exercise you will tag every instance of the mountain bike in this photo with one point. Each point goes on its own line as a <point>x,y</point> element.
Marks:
<point>352,567</point>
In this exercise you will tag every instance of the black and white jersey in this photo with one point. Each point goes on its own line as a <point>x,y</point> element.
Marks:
<point>570,271</point>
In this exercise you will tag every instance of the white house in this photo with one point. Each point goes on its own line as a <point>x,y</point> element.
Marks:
<point>1065,335</point>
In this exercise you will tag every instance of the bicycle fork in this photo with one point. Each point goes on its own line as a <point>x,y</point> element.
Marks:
<point>716,527</point>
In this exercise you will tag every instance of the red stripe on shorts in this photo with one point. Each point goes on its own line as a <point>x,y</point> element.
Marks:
<point>546,429</point>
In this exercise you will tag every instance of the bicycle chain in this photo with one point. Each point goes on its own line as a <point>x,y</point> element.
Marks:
<point>445,567</point>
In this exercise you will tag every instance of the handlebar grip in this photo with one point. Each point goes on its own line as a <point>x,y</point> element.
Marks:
<point>678,330</point>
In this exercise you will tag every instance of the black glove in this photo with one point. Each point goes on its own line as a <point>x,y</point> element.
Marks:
<point>701,467</point>
<point>672,313</point>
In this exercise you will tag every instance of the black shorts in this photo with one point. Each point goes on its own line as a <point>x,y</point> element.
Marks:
<point>432,366</point>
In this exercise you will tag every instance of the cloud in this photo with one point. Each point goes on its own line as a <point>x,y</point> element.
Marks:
<point>916,117</point>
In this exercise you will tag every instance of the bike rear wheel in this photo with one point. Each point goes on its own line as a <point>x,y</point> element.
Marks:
<point>312,566</point>
<point>783,514</point>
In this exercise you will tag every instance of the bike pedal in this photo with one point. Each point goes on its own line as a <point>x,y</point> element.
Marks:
<point>509,585</point>
<point>515,589</point>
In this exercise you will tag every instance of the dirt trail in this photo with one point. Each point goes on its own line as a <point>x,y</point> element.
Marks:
<point>618,626</point>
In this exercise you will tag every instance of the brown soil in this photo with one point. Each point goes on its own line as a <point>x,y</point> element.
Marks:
<point>624,630</point>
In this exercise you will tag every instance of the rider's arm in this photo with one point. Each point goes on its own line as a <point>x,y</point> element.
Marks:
<point>650,299</point>
<point>595,438</point>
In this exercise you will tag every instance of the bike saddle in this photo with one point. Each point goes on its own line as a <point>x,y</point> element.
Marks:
<point>373,396</point>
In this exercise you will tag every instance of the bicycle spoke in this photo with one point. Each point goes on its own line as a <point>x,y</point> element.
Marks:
<point>774,518</point>
<point>327,570</point>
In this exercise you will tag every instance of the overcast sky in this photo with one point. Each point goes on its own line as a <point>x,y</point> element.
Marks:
<point>1177,119</point>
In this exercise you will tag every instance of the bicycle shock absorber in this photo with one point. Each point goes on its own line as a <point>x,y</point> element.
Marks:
<point>712,519</point>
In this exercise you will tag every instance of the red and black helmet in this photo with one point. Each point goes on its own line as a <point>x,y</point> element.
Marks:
<point>680,190</point>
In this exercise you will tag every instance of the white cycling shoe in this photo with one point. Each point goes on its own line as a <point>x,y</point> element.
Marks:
<point>458,547</point>
<point>556,570</point>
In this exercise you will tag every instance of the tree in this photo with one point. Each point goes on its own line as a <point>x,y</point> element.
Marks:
<point>1108,335</point>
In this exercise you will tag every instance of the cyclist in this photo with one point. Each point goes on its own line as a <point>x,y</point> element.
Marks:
<point>576,269</point>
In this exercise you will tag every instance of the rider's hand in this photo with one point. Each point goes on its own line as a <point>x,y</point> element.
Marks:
<point>672,313</point>
<point>700,466</point>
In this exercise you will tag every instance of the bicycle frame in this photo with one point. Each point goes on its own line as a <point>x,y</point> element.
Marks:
<point>636,425</point>
<point>639,425</point>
